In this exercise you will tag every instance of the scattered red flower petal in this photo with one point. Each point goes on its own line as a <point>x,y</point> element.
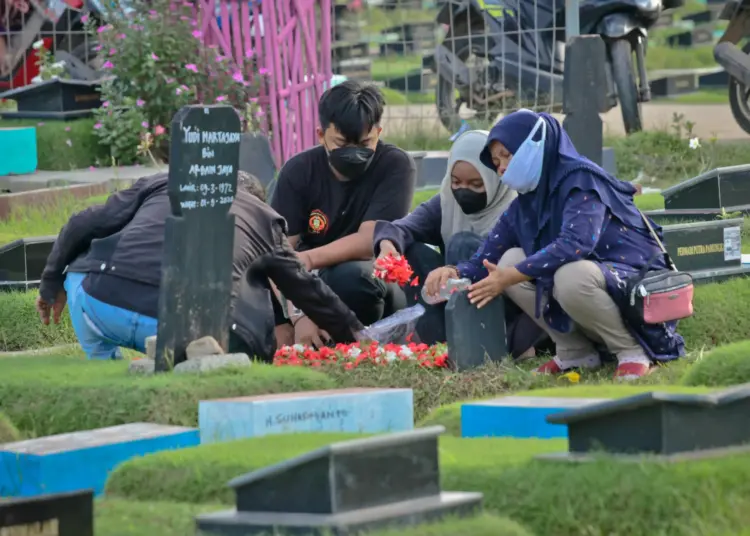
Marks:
<point>393,269</point>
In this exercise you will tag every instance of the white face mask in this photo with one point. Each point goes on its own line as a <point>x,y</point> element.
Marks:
<point>525,168</point>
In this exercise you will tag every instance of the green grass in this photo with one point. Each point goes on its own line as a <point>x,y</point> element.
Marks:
<point>704,96</point>
<point>46,219</point>
<point>8,432</point>
<point>399,98</point>
<point>725,365</point>
<point>63,146</point>
<point>385,68</point>
<point>113,517</point>
<point>604,497</point>
<point>20,328</point>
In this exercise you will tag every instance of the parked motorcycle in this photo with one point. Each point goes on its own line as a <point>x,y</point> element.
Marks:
<point>736,61</point>
<point>503,54</point>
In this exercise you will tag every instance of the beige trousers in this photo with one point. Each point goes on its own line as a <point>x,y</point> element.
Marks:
<point>580,289</point>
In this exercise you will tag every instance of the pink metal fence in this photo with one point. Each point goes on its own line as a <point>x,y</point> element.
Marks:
<point>291,43</point>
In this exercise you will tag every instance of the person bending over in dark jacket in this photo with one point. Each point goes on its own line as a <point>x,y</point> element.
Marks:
<point>113,254</point>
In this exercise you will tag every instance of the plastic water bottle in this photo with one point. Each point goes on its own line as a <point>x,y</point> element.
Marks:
<point>453,285</point>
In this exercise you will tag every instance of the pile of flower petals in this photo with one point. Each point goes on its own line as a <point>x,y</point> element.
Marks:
<point>355,354</point>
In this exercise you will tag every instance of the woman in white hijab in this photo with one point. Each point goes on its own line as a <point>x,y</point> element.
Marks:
<point>455,221</point>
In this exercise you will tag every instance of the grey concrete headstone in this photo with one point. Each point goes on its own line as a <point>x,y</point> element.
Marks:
<point>256,157</point>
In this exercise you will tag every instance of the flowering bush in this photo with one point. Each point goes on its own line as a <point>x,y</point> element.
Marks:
<point>158,64</point>
<point>353,355</point>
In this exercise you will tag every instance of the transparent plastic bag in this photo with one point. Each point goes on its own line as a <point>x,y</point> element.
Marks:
<point>393,329</point>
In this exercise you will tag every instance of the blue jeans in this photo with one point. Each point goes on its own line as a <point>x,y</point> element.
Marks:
<point>102,329</point>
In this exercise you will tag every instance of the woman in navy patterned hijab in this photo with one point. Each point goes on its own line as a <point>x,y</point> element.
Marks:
<point>563,250</point>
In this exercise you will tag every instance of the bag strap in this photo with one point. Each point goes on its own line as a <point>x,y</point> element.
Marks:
<point>658,241</point>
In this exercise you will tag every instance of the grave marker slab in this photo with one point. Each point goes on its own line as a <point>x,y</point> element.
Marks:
<point>342,410</point>
<point>720,187</point>
<point>585,94</point>
<point>256,157</point>
<point>676,84</point>
<point>716,79</point>
<point>22,262</point>
<point>199,234</point>
<point>475,336</point>
<point>700,35</point>
<point>421,81</point>
<point>354,69</point>
<point>19,151</point>
<point>518,416</point>
<point>345,51</point>
<point>64,514</point>
<point>701,17</point>
<point>345,488</point>
<point>82,460</point>
<point>705,245</point>
<point>662,424</point>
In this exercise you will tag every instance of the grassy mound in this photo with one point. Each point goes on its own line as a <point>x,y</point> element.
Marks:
<point>50,395</point>
<point>604,497</point>
<point>20,328</point>
<point>725,365</point>
<point>8,432</point>
<point>124,518</point>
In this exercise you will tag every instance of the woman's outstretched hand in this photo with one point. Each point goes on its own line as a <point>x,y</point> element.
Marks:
<point>489,288</point>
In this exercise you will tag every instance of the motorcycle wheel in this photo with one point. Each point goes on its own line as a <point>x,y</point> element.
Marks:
<point>739,95</point>
<point>621,53</point>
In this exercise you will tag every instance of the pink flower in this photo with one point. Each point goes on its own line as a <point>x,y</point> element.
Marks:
<point>260,113</point>
<point>178,91</point>
<point>220,58</point>
<point>169,80</point>
<point>159,130</point>
<point>92,168</point>
<point>263,71</point>
<point>152,12</point>
<point>97,126</point>
<point>67,129</point>
<point>191,67</point>
<point>140,102</point>
<point>84,19</point>
<point>105,104</point>
<point>107,65</point>
<point>154,57</point>
<point>221,98</point>
<point>102,29</point>
<point>237,76</point>
<point>121,36</point>
<point>97,48</point>
<point>197,34</point>
<point>249,53</point>
<point>253,99</point>
<point>144,124</point>
<point>112,51</point>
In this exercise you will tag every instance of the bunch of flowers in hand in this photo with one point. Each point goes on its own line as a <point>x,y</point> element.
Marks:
<point>354,355</point>
<point>48,69</point>
<point>158,62</point>
<point>395,269</point>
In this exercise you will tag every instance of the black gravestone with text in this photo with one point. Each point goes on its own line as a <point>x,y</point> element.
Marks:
<point>475,336</point>
<point>714,189</point>
<point>63,514</point>
<point>199,235</point>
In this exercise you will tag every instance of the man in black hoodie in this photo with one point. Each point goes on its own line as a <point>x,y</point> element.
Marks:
<point>113,254</point>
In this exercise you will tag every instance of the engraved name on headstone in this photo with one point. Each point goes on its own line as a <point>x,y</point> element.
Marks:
<point>199,234</point>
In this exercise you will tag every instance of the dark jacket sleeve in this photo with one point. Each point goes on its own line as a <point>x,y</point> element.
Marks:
<point>95,222</point>
<point>422,225</point>
<point>308,292</point>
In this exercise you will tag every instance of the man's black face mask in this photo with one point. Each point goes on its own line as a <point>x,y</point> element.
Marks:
<point>351,161</point>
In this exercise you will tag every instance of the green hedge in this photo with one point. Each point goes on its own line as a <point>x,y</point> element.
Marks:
<point>20,328</point>
<point>64,145</point>
<point>602,497</point>
<point>8,432</point>
<point>45,395</point>
<point>125,518</point>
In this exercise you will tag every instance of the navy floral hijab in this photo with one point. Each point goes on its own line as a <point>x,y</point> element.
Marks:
<point>540,212</point>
